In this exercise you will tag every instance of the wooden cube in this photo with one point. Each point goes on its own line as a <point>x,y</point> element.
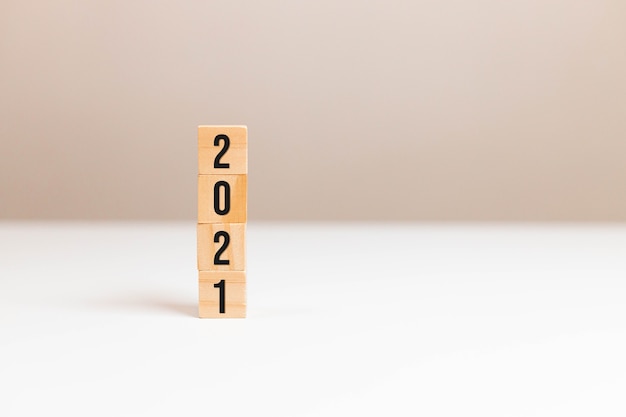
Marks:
<point>222,294</point>
<point>222,247</point>
<point>222,150</point>
<point>222,198</point>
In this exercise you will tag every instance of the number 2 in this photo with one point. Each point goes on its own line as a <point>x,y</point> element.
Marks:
<point>222,286</point>
<point>220,251</point>
<point>217,163</point>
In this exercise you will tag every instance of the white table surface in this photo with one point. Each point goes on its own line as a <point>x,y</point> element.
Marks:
<point>379,319</point>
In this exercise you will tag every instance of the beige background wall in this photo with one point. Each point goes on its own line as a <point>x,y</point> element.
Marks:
<point>425,110</point>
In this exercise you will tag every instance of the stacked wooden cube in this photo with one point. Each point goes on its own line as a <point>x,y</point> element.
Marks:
<point>222,217</point>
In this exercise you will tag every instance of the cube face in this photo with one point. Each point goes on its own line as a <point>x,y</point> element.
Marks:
<point>222,294</point>
<point>221,247</point>
<point>222,150</point>
<point>222,198</point>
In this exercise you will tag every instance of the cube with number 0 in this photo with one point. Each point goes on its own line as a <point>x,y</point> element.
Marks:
<point>222,198</point>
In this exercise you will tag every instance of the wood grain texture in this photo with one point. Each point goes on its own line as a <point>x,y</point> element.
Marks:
<point>238,199</point>
<point>235,294</point>
<point>236,156</point>
<point>234,253</point>
<point>222,214</point>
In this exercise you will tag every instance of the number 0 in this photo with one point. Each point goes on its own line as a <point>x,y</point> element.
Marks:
<point>216,197</point>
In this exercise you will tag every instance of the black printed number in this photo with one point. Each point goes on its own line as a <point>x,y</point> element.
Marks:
<point>222,286</point>
<point>220,251</point>
<point>217,200</point>
<point>217,163</point>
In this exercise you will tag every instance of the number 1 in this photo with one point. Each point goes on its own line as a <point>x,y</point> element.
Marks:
<point>222,286</point>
